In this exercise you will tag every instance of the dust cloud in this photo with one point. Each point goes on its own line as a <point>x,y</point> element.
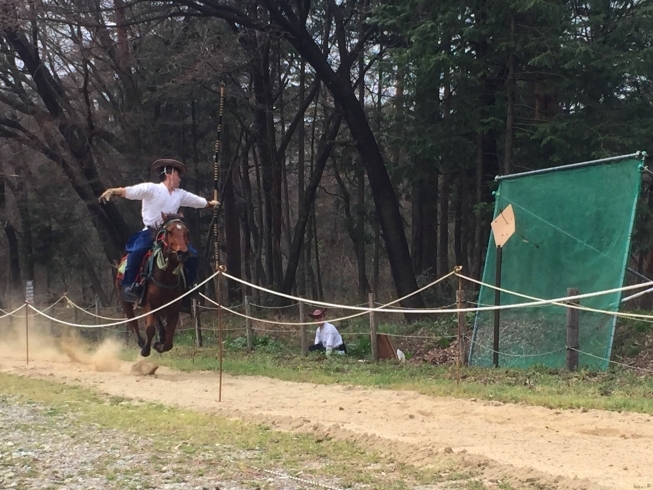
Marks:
<point>40,343</point>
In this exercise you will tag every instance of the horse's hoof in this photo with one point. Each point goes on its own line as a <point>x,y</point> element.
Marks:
<point>145,352</point>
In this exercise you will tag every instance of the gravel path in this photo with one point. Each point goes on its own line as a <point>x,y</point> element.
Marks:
<point>41,448</point>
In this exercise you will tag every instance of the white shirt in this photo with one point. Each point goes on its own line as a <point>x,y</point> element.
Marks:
<point>158,199</point>
<point>328,335</point>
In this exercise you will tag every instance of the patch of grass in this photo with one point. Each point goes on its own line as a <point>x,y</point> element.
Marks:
<point>475,485</point>
<point>242,447</point>
<point>505,486</point>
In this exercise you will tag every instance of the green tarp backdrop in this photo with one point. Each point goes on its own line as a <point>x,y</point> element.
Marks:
<point>573,228</point>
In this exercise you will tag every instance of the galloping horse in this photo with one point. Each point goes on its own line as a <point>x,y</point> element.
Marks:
<point>164,285</point>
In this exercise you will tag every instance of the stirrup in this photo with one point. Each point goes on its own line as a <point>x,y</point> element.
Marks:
<point>131,294</point>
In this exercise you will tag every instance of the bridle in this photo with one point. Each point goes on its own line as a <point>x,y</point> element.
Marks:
<point>162,235</point>
<point>162,261</point>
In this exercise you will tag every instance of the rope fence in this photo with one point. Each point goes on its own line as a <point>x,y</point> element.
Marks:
<point>253,323</point>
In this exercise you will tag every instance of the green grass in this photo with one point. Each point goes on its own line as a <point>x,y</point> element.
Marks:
<point>277,355</point>
<point>617,389</point>
<point>245,447</point>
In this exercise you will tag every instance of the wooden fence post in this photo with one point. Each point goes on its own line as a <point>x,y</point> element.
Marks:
<point>573,317</point>
<point>375,346</point>
<point>198,325</point>
<point>97,319</point>
<point>497,302</point>
<point>302,318</point>
<point>248,325</point>
<point>462,328</point>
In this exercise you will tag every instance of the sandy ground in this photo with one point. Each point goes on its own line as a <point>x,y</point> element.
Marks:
<point>564,449</point>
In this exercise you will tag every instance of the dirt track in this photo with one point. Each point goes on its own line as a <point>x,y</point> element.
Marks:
<point>565,449</point>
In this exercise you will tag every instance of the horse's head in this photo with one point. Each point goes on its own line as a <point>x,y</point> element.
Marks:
<point>175,236</point>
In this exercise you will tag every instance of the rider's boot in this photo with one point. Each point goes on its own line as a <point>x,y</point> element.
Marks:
<point>131,293</point>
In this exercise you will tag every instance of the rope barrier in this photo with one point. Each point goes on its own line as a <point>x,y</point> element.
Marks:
<point>358,308</point>
<point>122,322</point>
<point>12,313</point>
<point>90,313</point>
<point>209,308</point>
<point>611,361</point>
<point>274,307</point>
<point>557,301</point>
<point>566,301</point>
<point>501,353</point>
<point>561,302</point>
<point>56,302</point>
<point>275,322</point>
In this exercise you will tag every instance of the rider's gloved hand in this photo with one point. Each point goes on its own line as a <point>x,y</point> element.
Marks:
<point>106,195</point>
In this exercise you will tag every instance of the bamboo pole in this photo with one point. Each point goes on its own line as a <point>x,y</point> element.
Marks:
<point>216,248</point>
<point>27,332</point>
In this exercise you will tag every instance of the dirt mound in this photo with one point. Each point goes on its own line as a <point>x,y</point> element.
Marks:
<point>142,368</point>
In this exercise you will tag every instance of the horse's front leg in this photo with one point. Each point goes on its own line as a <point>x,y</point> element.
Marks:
<point>171,325</point>
<point>128,308</point>
<point>161,331</point>
<point>150,330</point>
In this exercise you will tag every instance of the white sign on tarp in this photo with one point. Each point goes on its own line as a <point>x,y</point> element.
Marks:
<point>29,291</point>
<point>503,226</point>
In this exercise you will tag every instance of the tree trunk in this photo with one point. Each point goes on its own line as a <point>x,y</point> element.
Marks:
<point>231,224</point>
<point>385,198</point>
<point>22,200</point>
<point>84,178</point>
<point>318,270</point>
<point>458,224</point>
<point>510,103</point>
<point>301,156</point>
<point>425,229</point>
<point>363,286</point>
<point>417,227</point>
<point>264,138</point>
<point>443,226</point>
<point>12,241</point>
<point>261,277</point>
<point>246,213</point>
<point>325,147</point>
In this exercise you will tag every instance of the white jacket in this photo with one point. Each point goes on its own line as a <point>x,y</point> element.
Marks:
<point>328,336</point>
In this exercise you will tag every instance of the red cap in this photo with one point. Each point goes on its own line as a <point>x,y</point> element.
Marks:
<point>318,312</point>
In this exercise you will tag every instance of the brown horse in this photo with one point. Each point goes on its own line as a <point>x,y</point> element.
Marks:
<point>164,285</point>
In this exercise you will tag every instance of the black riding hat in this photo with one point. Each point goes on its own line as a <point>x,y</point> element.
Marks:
<point>165,163</point>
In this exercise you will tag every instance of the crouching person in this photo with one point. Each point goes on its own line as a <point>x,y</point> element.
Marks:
<point>327,337</point>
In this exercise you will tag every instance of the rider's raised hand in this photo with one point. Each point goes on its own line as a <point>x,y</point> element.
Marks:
<point>212,204</point>
<point>106,195</point>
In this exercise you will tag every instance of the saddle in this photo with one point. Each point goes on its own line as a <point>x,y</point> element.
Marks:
<point>147,267</point>
<point>144,271</point>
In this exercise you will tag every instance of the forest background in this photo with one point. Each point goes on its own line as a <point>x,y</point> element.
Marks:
<point>360,143</point>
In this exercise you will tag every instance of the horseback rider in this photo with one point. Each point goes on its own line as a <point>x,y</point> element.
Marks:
<point>164,197</point>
